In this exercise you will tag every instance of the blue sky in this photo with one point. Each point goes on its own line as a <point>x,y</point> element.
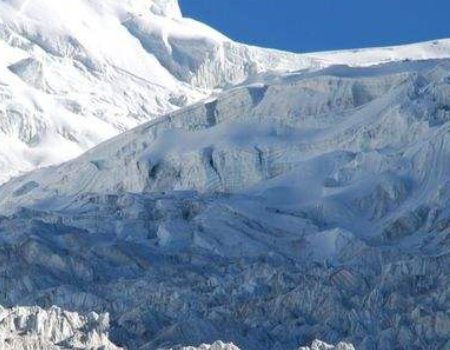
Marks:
<point>315,25</point>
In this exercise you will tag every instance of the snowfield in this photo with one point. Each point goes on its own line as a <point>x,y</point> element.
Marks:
<point>245,198</point>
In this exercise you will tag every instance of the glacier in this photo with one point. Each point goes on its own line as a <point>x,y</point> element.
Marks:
<point>74,75</point>
<point>172,188</point>
<point>316,345</point>
<point>309,205</point>
<point>32,328</point>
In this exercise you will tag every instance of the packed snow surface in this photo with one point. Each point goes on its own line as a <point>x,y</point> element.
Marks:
<point>75,73</point>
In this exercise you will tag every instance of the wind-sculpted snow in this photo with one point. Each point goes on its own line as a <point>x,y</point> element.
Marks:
<point>311,205</point>
<point>73,74</point>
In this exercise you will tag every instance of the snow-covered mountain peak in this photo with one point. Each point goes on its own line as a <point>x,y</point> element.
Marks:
<point>301,197</point>
<point>36,8</point>
<point>75,73</point>
<point>168,8</point>
<point>95,32</point>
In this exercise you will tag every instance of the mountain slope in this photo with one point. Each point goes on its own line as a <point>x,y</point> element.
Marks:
<point>258,132</point>
<point>305,198</point>
<point>68,82</point>
<point>307,205</point>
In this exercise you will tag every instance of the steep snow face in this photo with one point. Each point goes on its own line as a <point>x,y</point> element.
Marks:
<point>167,8</point>
<point>331,122</point>
<point>73,74</point>
<point>347,146</point>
